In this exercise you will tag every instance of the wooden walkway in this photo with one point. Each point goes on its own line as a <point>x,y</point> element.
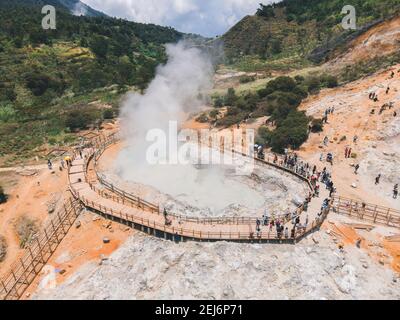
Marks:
<point>24,271</point>
<point>366,211</point>
<point>123,207</point>
<point>115,204</point>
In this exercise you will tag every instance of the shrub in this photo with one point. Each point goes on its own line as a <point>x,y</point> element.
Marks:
<point>99,45</point>
<point>329,81</point>
<point>219,102</point>
<point>231,97</point>
<point>3,248</point>
<point>291,132</point>
<point>317,125</point>
<point>39,83</point>
<point>214,114</point>
<point>284,83</point>
<point>202,118</point>
<point>26,229</point>
<point>299,79</point>
<point>230,120</point>
<point>3,196</point>
<point>263,136</point>
<point>233,111</point>
<point>79,120</point>
<point>313,85</point>
<point>7,113</point>
<point>247,79</point>
<point>108,114</point>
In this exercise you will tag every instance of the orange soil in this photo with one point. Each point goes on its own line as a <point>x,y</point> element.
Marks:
<point>382,39</point>
<point>83,245</point>
<point>360,123</point>
<point>348,236</point>
<point>28,198</point>
<point>393,248</point>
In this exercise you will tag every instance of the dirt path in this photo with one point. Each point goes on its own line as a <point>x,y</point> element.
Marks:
<point>22,168</point>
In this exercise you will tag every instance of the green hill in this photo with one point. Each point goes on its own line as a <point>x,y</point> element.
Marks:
<point>73,6</point>
<point>47,75</point>
<point>298,32</point>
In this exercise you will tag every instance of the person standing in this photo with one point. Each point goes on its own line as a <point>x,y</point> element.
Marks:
<point>356,168</point>
<point>395,191</point>
<point>377,179</point>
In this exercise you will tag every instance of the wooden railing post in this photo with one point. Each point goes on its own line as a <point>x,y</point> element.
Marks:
<point>4,286</point>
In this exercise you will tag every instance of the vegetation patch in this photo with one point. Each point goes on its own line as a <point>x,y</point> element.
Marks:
<point>45,74</point>
<point>3,248</point>
<point>27,229</point>
<point>279,101</point>
<point>290,34</point>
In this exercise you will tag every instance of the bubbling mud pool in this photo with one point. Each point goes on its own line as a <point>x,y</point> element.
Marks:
<point>206,190</point>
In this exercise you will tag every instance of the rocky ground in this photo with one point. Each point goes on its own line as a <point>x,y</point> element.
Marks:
<point>149,268</point>
<point>377,147</point>
<point>34,193</point>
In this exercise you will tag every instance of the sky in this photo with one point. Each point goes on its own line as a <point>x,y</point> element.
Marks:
<point>205,17</point>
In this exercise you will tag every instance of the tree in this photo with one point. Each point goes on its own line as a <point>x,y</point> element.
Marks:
<point>283,83</point>
<point>330,81</point>
<point>265,11</point>
<point>108,114</point>
<point>37,83</point>
<point>78,120</point>
<point>263,136</point>
<point>276,46</point>
<point>313,84</point>
<point>214,114</point>
<point>125,71</point>
<point>231,97</point>
<point>99,46</point>
<point>317,125</point>
<point>219,102</point>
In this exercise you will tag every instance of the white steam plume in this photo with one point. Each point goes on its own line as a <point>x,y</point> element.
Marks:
<point>174,92</point>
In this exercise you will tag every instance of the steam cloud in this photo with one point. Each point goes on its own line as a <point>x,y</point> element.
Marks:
<point>79,9</point>
<point>171,96</point>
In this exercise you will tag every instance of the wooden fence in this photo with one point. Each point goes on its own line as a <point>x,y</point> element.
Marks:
<point>129,198</point>
<point>37,254</point>
<point>153,226</point>
<point>180,233</point>
<point>136,202</point>
<point>366,211</point>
